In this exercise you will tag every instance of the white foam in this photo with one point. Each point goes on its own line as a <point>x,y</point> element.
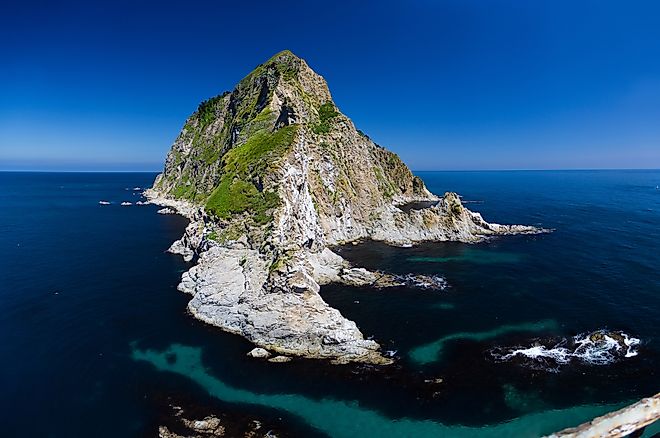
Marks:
<point>630,343</point>
<point>596,348</point>
<point>559,354</point>
<point>126,203</point>
<point>606,351</point>
<point>104,203</point>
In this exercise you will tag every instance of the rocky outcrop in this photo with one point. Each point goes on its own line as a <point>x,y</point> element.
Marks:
<point>232,289</point>
<point>272,175</point>
<point>180,425</point>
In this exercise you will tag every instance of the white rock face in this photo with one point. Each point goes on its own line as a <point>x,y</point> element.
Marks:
<point>298,221</point>
<point>334,185</point>
<point>258,353</point>
<point>229,290</point>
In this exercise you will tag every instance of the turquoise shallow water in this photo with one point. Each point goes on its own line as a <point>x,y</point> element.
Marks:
<point>472,255</point>
<point>342,418</point>
<point>94,332</point>
<point>432,351</point>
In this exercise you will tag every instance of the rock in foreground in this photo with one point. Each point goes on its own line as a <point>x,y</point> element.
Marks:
<point>624,422</point>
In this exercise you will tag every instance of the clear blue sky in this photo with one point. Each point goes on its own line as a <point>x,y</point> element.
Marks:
<point>462,84</point>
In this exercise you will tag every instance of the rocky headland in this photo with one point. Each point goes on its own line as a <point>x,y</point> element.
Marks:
<point>272,176</point>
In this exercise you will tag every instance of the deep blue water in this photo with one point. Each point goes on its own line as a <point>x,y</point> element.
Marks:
<point>90,317</point>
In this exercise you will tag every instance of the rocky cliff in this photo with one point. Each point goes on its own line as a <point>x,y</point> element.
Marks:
<point>272,175</point>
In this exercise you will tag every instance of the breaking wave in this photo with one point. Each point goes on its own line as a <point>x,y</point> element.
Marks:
<point>600,347</point>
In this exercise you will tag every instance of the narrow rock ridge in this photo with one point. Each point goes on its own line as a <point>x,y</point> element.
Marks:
<point>272,176</point>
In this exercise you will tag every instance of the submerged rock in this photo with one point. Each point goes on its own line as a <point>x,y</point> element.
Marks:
<point>436,381</point>
<point>271,176</point>
<point>600,337</point>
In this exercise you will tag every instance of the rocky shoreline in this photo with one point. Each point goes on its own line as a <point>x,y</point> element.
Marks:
<point>229,286</point>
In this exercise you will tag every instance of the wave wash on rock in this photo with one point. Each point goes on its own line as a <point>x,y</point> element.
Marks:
<point>271,176</point>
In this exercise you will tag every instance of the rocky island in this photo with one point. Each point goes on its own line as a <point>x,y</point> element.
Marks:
<point>272,176</point>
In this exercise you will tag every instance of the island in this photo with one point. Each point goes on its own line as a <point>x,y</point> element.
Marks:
<point>272,176</point>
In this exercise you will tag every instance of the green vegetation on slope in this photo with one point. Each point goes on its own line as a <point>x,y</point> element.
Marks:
<point>285,63</point>
<point>229,145</point>
<point>243,166</point>
<point>206,110</point>
<point>386,187</point>
<point>327,112</point>
<point>232,232</point>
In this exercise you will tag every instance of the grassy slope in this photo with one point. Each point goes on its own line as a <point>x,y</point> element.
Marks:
<point>243,166</point>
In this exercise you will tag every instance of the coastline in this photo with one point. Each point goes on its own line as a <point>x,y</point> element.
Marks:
<point>295,320</point>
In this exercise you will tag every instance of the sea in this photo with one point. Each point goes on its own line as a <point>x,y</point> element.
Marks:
<point>531,333</point>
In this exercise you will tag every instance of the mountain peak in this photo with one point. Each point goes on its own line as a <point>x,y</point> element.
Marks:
<point>231,150</point>
<point>283,63</point>
<point>284,55</point>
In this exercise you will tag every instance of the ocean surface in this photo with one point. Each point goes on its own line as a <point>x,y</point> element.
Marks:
<point>95,339</point>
